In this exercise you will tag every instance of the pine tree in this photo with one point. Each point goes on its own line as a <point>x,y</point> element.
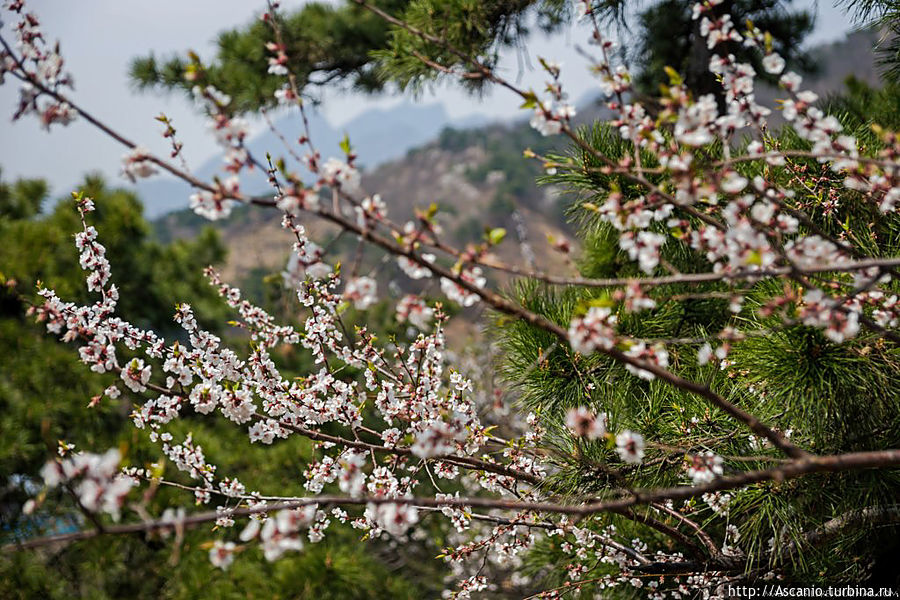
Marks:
<point>349,45</point>
<point>830,397</point>
<point>329,45</point>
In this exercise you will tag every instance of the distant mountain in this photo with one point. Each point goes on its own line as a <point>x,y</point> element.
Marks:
<point>378,136</point>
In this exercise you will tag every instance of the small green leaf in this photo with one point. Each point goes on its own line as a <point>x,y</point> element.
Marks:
<point>674,77</point>
<point>602,302</point>
<point>496,235</point>
<point>345,144</point>
<point>531,100</point>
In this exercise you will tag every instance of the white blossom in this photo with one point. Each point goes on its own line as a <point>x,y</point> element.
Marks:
<point>630,446</point>
<point>221,554</point>
<point>584,423</point>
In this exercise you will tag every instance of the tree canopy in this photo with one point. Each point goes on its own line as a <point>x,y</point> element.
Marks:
<point>351,46</point>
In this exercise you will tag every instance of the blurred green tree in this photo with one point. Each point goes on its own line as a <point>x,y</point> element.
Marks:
<point>44,392</point>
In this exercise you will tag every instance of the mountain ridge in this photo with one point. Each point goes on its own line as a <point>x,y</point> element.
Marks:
<point>405,126</point>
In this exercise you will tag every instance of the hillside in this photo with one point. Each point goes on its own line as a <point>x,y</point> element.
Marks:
<point>477,176</point>
<point>406,126</point>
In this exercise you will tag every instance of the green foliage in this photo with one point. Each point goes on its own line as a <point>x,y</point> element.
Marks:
<point>130,567</point>
<point>324,43</point>
<point>863,105</point>
<point>831,397</point>
<point>22,198</point>
<point>44,392</point>
<point>41,249</point>
<point>328,44</point>
<point>43,387</point>
<point>477,29</point>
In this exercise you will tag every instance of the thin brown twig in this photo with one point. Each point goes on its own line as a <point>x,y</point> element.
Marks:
<point>794,469</point>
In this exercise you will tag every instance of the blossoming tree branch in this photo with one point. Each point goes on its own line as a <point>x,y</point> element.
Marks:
<point>703,199</point>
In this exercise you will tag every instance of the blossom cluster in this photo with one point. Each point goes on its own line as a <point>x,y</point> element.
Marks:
<point>94,479</point>
<point>44,67</point>
<point>413,395</point>
<point>741,224</point>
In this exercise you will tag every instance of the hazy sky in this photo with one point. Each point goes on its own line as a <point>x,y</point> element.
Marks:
<point>99,37</point>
